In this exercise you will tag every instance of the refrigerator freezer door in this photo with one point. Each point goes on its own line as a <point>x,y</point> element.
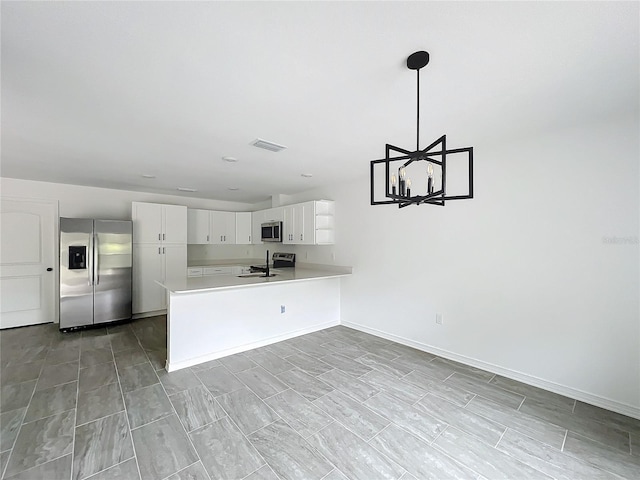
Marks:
<point>76,272</point>
<point>113,261</point>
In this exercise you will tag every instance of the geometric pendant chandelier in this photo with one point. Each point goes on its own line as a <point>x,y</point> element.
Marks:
<point>420,176</point>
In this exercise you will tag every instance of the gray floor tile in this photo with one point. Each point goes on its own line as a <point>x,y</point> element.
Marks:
<point>604,433</point>
<point>16,354</point>
<point>309,364</point>
<point>547,459</point>
<point>438,371</point>
<point>345,349</point>
<point>483,458</point>
<point>384,365</point>
<point>237,363</point>
<point>179,381</point>
<point>17,395</point>
<point>353,456</point>
<point>99,402</point>
<point>205,366</point>
<point>265,473</point>
<point>337,475</point>
<point>261,382</point>
<point>604,456</point>
<point>408,476</point>
<point>224,450</point>
<point>63,355</point>
<point>162,448</point>
<point>269,361</point>
<point>306,385</point>
<point>127,470</point>
<point>60,468</point>
<point>308,346</point>
<point>97,376</point>
<point>416,456</point>
<point>465,369</point>
<point>42,441</point>
<point>381,348</point>
<point>481,387</point>
<point>534,393</point>
<point>532,426</point>
<point>157,357</point>
<point>605,416</point>
<point>350,386</point>
<point>399,388</point>
<point>469,422</point>
<point>147,404</point>
<point>282,349</point>
<point>247,410</point>
<point>192,472</point>
<point>219,380</point>
<point>346,364</point>
<point>4,459</point>
<point>127,358</point>
<point>9,426</point>
<point>52,400</point>
<point>301,415</point>
<point>288,454</point>
<point>353,415</point>
<point>53,375</point>
<point>95,356</point>
<point>411,419</point>
<point>439,388</point>
<point>196,407</point>
<point>20,373</point>
<point>123,341</point>
<point>137,376</point>
<point>100,445</point>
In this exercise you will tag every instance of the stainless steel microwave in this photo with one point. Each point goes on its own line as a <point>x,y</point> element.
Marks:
<point>272,232</point>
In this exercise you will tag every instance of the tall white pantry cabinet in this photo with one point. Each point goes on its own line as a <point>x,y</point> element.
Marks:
<point>159,252</point>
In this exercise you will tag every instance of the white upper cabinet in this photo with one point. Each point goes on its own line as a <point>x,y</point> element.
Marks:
<point>257,219</point>
<point>243,228</point>
<point>223,228</point>
<point>211,227</point>
<point>288,225</point>
<point>309,223</point>
<point>198,226</point>
<point>158,223</point>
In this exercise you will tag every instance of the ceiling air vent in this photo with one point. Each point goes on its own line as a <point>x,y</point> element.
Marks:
<point>272,147</point>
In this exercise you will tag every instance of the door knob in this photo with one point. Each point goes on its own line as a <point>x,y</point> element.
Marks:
<point>49,269</point>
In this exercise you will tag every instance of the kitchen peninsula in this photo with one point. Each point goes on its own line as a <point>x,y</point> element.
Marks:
<point>215,316</point>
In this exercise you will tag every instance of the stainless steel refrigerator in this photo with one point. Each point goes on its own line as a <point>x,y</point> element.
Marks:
<point>95,271</point>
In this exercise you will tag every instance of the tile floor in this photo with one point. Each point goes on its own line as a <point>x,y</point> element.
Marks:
<point>335,404</point>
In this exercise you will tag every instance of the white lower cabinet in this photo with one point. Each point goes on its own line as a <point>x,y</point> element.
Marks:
<point>152,263</point>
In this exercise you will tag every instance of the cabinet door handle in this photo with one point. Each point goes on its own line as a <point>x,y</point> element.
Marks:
<point>158,250</point>
<point>158,236</point>
<point>300,236</point>
<point>207,238</point>
<point>249,238</point>
<point>163,236</point>
<point>163,251</point>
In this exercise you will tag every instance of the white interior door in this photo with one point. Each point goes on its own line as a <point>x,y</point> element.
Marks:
<point>28,265</point>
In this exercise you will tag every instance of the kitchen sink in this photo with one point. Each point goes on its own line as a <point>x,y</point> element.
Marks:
<point>258,274</point>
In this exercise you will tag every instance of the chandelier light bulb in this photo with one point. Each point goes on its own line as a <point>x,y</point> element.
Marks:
<point>430,170</point>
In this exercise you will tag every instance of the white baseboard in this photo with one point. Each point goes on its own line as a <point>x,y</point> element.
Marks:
<point>171,367</point>
<point>577,394</point>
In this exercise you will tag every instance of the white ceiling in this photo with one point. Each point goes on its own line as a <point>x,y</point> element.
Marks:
<point>100,93</point>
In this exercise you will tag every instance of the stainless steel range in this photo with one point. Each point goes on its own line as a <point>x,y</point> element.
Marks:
<point>278,260</point>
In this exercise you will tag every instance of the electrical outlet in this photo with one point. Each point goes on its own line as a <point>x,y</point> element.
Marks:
<point>438,318</point>
<point>282,308</point>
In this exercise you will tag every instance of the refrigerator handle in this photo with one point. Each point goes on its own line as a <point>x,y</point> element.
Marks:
<point>90,261</point>
<point>96,258</point>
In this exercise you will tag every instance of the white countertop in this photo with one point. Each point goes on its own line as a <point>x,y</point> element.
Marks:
<point>221,282</point>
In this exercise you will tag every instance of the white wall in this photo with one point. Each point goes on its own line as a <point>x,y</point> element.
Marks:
<point>523,274</point>
<point>91,202</point>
